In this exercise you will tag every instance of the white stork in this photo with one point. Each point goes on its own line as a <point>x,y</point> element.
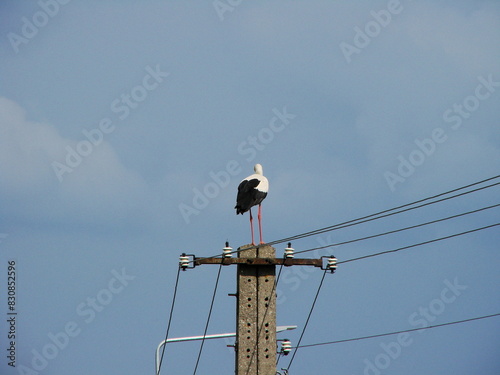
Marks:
<point>251,192</point>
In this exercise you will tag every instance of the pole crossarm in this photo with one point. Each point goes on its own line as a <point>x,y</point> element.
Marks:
<point>260,261</point>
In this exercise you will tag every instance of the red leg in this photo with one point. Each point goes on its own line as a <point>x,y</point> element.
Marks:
<point>251,226</point>
<point>259,216</point>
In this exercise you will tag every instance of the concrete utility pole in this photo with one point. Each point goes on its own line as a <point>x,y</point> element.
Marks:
<point>256,303</point>
<point>256,311</point>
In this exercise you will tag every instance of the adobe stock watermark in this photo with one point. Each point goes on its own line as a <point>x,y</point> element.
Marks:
<point>31,26</point>
<point>292,278</point>
<point>224,6</point>
<point>455,117</point>
<point>87,312</point>
<point>421,318</point>
<point>121,107</point>
<point>372,29</point>
<point>248,149</point>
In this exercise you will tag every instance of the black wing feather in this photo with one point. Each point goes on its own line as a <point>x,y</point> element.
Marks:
<point>248,195</point>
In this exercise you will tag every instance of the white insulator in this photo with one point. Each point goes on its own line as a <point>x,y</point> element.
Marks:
<point>286,346</point>
<point>227,251</point>
<point>332,264</point>
<point>289,251</point>
<point>184,261</point>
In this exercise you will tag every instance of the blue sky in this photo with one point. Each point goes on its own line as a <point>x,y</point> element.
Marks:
<point>127,126</point>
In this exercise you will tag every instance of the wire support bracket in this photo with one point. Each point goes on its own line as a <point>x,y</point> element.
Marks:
<point>287,262</point>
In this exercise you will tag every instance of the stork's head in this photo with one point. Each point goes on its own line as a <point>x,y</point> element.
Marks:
<point>258,168</point>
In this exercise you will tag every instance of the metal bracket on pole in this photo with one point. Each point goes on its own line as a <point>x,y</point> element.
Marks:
<point>207,337</point>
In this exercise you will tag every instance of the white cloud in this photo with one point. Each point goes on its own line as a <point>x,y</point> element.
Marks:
<point>99,189</point>
<point>25,150</point>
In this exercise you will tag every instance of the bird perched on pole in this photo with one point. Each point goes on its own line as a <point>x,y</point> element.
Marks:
<point>251,192</point>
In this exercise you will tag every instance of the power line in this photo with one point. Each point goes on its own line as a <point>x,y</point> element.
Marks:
<point>169,318</point>
<point>399,230</point>
<point>397,332</point>
<point>420,244</point>
<point>208,320</point>
<point>378,235</point>
<point>378,215</point>
<point>372,255</point>
<point>278,359</point>
<point>308,317</point>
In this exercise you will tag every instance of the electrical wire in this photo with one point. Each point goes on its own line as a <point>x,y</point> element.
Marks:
<point>372,255</point>
<point>308,317</point>
<point>406,247</point>
<point>169,319</point>
<point>419,244</point>
<point>399,230</point>
<point>381,214</point>
<point>397,332</point>
<point>278,359</point>
<point>378,215</point>
<point>208,320</point>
